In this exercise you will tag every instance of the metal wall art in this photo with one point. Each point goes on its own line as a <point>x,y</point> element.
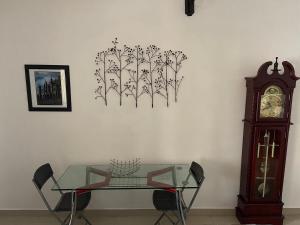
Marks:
<point>134,72</point>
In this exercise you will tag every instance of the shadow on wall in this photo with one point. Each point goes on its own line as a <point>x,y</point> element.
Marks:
<point>221,184</point>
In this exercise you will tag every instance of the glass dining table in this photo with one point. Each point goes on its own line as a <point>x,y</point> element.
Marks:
<point>81,178</point>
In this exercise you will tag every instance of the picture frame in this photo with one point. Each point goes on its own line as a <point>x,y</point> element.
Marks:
<point>48,87</point>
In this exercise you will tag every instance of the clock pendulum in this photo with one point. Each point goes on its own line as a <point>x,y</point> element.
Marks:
<point>264,188</point>
<point>266,129</point>
<point>266,140</point>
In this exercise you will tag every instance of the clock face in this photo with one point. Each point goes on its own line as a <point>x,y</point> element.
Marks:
<point>272,103</point>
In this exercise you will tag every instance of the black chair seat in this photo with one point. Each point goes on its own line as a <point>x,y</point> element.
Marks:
<point>164,200</point>
<point>64,204</point>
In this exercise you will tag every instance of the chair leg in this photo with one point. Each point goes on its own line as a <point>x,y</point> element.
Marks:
<point>66,219</point>
<point>170,219</point>
<point>177,217</point>
<point>57,217</point>
<point>166,215</point>
<point>159,219</point>
<point>85,219</point>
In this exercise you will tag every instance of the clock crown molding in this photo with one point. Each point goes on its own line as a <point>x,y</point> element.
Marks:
<point>263,76</point>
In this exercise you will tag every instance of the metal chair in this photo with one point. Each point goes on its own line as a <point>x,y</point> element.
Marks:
<point>41,176</point>
<point>168,200</point>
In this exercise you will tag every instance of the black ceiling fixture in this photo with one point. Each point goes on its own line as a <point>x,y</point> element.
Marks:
<point>189,7</point>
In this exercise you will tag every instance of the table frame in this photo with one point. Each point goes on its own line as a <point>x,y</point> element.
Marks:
<point>150,182</point>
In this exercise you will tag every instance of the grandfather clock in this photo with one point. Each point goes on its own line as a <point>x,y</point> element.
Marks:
<point>266,130</point>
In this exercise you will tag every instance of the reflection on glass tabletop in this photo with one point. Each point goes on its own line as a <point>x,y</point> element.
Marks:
<point>147,176</point>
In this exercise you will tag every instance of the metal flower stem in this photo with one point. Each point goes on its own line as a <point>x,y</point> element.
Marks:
<point>175,80</point>
<point>120,77</point>
<point>137,77</point>
<point>104,77</point>
<point>166,78</point>
<point>152,54</point>
<point>120,69</point>
<point>151,81</point>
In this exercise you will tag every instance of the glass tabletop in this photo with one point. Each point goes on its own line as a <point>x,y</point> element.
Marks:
<point>145,176</point>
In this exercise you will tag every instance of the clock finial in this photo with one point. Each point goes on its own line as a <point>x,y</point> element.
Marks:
<point>275,69</point>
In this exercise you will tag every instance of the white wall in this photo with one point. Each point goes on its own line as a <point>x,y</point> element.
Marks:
<point>225,41</point>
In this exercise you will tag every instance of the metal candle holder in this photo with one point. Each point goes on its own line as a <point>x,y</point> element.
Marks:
<point>124,168</point>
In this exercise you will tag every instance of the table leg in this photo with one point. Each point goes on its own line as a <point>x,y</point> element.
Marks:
<point>73,205</point>
<point>179,206</point>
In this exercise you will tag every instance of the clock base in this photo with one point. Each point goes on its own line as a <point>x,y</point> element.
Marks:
<point>259,213</point>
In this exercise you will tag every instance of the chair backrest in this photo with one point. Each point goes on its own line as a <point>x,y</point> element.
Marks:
<point>197,172</point>
<point>42,174</point>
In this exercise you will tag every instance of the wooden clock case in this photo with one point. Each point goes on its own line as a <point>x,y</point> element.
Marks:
<point>255,207</point>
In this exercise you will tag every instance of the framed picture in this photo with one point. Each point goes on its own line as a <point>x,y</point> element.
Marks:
<point>48,87</point>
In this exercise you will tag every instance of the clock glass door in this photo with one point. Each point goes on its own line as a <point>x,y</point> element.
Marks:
<point>267,157</point>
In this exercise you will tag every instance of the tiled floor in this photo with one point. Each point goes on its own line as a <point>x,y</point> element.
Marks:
<point>45,219</point>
